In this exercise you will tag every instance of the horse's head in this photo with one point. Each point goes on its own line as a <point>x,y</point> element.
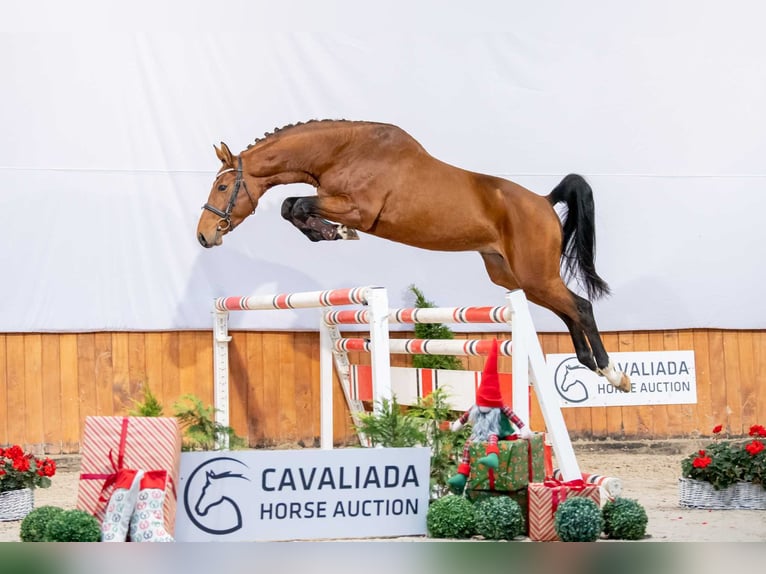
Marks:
<point>207,500</point>
<point>229,202</point>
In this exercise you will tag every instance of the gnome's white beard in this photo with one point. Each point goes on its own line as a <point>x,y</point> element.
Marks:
<point>485,421</point>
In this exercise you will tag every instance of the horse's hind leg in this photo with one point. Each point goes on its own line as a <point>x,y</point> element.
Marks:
<point>501,274</point>
<point>577,313</point>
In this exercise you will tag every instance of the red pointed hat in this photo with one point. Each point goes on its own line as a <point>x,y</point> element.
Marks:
<point>488,393</point>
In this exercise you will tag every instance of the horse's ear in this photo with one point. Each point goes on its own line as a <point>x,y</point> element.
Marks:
<point>224,154</point>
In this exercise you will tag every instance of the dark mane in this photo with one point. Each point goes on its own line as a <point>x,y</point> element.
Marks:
<point>266,135</point>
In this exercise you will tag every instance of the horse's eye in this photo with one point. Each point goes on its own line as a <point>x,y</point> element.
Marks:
<point>222,187</point>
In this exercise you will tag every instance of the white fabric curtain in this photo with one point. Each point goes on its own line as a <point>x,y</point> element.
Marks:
<point>109,114</point>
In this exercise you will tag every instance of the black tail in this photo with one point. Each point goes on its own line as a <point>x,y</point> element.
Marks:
<point>578,246</point>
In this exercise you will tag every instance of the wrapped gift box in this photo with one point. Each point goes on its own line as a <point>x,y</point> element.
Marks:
<point>141,443</point>
<point>521,462</point>
<point>544,500</point>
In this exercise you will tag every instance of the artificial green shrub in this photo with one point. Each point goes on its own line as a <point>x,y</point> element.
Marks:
<point>578,519</point>
<point>499,518</point>
<point>73,526</point>
<point>432,331</point>
<point>451,516</point>
<point>624,519</point>
<point>35,523</point>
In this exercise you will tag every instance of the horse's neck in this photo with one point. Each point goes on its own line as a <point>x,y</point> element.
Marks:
<point>296,157</point>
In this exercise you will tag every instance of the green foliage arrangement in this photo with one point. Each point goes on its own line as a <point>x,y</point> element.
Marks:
<point>499,518</point>
<point>391,426</point>
<point>451,516</point>
<point>149,407</point>
<point>446,446</point>
<point>432,331</point>
<point>73,526</point>
<point>624,519</point>
<point>35,524</point>
<point>578,519</point>
<point>200,429</point>
<point>725,462</point>
<point>422,424</point>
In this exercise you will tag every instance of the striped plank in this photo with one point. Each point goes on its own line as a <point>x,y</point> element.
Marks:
<point>302,300</point>
<point>423,315</point>
<point>473,347</point>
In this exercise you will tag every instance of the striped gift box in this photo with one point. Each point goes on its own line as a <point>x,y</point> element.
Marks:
<point>141,443</point>
<point>544,499</point>
<point>611,487</point>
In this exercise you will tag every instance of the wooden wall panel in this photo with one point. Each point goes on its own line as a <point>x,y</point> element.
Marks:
<point>56,380</point>
<point>33,388</point>
<point>71,429</point>
<point>4,437</point>
<point>52,393</point>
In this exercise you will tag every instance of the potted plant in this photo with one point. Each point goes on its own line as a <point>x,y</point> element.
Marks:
<point>20,473</point>
<point>726,473</point>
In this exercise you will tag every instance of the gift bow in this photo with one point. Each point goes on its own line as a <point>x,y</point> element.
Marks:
<point>560,489</point>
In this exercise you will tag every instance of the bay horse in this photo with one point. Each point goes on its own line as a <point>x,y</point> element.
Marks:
<point>375,178</point>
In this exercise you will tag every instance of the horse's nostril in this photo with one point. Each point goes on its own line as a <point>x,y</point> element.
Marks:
<point>201,239</point>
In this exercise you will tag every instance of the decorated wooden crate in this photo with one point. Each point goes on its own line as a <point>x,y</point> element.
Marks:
<point>113,443</point>
<point>544,500</point>
<point>521,462</point>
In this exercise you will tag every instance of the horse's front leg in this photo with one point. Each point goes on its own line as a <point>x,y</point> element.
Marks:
<point>306,214</point>
<point>288,206</point>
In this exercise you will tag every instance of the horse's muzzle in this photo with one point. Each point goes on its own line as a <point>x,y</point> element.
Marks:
<point>203,241</point>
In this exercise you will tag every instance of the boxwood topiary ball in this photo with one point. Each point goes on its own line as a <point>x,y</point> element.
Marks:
<point>35,523</point>
<point>451,516</point>
<point>499,518</point>
<point>578,519</point>
<point>624,519</point>
<point>73,526</point>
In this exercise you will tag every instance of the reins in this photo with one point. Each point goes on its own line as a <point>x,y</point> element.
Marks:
<point>224,224</point>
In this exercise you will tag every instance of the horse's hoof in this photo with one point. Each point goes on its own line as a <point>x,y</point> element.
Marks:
<point>347,233</point>
<point>624,385</point>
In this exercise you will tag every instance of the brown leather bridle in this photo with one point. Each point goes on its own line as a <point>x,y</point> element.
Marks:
<point>224,224</point>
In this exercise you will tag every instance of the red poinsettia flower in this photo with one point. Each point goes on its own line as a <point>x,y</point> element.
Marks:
<point>717,429</point>
<point>702,461</point>
<point>754,447</point>
<point>757,430</point>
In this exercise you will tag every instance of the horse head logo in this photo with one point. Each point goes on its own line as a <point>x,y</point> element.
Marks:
<point>213,507</point>
<point>569,384</point>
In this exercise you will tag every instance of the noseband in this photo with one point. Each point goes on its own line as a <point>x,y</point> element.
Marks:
<point>224,224</point>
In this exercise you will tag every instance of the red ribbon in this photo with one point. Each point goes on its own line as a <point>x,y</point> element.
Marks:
<point>560,489</point>
<point>111,478</point>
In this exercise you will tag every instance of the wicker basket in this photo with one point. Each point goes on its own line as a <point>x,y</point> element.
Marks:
<point>740,496</point>
<point>16,504</point>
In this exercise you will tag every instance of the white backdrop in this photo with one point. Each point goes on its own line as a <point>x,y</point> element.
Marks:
<point>108,116</point>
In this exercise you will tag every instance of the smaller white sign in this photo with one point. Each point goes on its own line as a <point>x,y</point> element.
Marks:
<point>656,378</point>
<point>258,495</point>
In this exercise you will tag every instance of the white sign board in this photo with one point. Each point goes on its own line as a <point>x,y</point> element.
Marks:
<point>256,495</point>
<point>656,377</point>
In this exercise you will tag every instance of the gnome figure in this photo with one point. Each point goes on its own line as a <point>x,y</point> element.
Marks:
<point>491,421</point>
